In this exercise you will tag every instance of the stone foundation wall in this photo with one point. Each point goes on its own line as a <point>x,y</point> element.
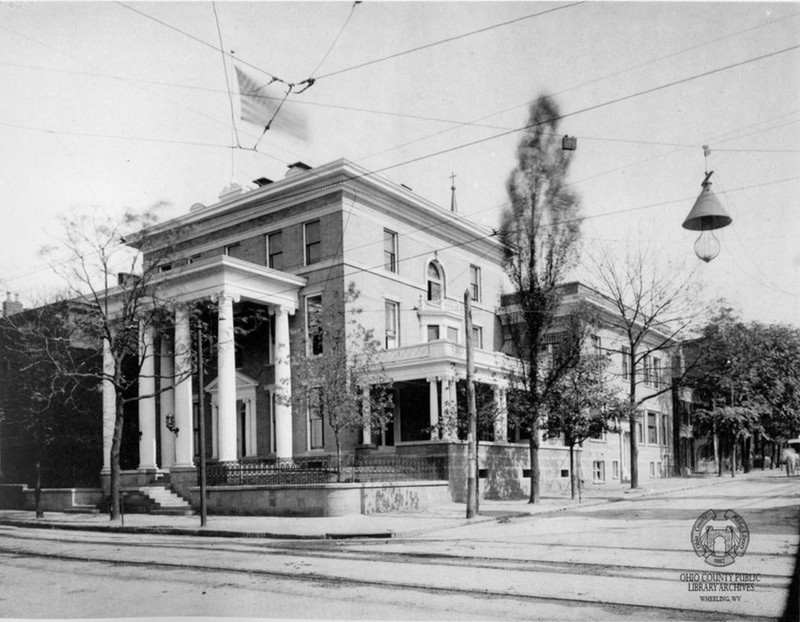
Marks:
<point>322,499</point>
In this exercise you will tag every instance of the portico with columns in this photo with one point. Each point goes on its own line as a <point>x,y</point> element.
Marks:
<point>166,395</point>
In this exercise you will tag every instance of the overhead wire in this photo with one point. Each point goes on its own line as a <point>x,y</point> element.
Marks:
<point>227,79</point>
<point>336,39</point>
<point>515,130</point>
<point>447,40</point>
<point>587,83</point>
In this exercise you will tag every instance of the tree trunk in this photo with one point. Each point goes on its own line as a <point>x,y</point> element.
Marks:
<point>338,460</point>
<point>634,450</point>
<point>733,456</point>
<point>572,469</point>
<point>37,493</point>
<point>116,444</point>
<point>534,455</point>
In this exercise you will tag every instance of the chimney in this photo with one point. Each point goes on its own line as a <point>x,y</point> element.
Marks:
<point>296,168</point>
<point>11,307</point>
<point>262,181</point>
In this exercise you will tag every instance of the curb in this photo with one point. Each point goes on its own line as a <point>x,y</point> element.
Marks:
<point>380,534</point>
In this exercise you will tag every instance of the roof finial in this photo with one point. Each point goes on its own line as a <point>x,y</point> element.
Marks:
<point>453,205</point>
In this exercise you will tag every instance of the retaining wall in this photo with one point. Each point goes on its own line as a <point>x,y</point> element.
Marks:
<point>322,499</point>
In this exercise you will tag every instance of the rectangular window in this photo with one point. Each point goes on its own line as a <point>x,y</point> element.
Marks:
<point>599,470</point>
<point>392,312</point>
<point>615,469</point>
<point>652,429</point>
<point>234,250</point>
<point>314,329</point>
<point>313,238</point>
<point>275,250</point>
<point>475,282</point>
<point>639,430</point>
<point>596,345</point>
<point>665,432</point>
<point>389,250</point>
<point>433,332</point>
<point>646,370</point>
<point>477,337</point>
<point>452,334</point>
<point>652,469</point>
<point>316,429</point>
<point>626,354</point>
<point>165,267</point>
<point>656,371</point>
<point>193,258</point>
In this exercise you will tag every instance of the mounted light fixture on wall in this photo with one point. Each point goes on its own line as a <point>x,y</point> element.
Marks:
<point>706,215</point>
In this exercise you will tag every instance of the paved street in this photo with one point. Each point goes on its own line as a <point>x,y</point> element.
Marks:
<point>630,559</point>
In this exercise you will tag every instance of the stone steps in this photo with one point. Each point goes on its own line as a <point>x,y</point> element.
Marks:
<point>164,501</point>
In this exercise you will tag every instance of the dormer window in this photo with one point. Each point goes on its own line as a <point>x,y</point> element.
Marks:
<point>435,282</point>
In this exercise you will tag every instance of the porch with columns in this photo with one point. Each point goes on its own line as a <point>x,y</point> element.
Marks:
<point>166,396</point>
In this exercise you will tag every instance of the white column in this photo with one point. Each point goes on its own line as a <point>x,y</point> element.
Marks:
<point>433,407</point>
<point>109,405</point>
<point>167,405</point>
<point>366,427</point>
<point>214,428</point>
<point>501,414</point>
<point>250,428</point>
<point>451,429</point>
<point>147,405</point>
<point>283,385</point>
<point>226,380</point>
<point>182,390</point>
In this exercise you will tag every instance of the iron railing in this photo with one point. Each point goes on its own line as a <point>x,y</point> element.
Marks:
<point>324,469</point>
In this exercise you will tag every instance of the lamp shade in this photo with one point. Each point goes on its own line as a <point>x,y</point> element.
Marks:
<point>707,213</point>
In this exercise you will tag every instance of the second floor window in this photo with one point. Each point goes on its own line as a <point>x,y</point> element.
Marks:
<point>392,330</point>
<point>389,250</point>
<point>626,354</point>
<point>475,283</point>
<point>313,235</point>
<point>275,250</point>
<point>234,250</point>
<point>314,329</point>
<point>434,282</point>
<point>477,337</point>
<point>433,332</point>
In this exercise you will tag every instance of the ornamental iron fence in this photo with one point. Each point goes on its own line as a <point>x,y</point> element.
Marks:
<point>324,469</point>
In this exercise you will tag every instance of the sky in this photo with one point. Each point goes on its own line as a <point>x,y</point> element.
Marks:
<point>121,106</point>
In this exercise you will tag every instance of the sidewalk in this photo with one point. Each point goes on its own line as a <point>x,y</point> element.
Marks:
<point>384,525</point>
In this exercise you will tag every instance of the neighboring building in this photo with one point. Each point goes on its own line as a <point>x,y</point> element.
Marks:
<point>46,419</point>
<point>607,458</point>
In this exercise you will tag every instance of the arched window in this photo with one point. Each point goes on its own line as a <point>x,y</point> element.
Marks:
<point>435,282</point>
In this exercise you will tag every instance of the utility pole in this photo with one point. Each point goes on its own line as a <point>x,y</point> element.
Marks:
<point>202,424</point>
<point>472,434</point>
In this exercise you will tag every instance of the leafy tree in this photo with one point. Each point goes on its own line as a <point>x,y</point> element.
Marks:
<point>730,424</point>
<point>654,304</point>
<point>540,232</point>
<point>753,366</point>
<point>121,298</point>
<point>581,405</point>
<point>341,377</point>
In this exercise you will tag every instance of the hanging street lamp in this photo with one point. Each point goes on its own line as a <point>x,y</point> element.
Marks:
<point>706,215</point>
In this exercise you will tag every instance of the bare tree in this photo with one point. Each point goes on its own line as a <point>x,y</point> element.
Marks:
<point>654,304</point>
<point>540,231</point>
<point>121,301</point>
<point>342,380</point>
